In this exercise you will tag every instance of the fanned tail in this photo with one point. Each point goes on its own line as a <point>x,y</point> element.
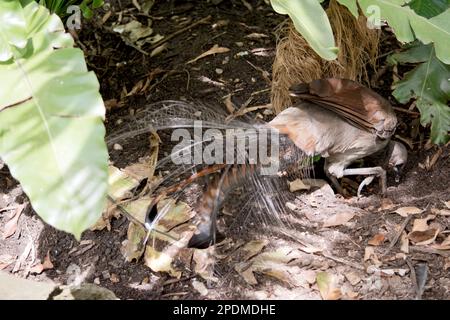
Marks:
<point>219,179</point>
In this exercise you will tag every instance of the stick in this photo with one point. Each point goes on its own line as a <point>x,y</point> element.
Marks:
<point>160,42</point>
<point>406,111</point>
<point>430,250</point>
<point>241,112</point>
<point>349,263</point>
<point>398,235</point>
<point>324,254</point>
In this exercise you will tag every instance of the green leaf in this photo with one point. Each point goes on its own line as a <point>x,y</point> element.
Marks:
<point>51,128</point>
<point>87,12</point>
<point>414,53</point>
<point>429,8</point>
<point>351,5</point>
<point>408,25</point>
<point>12,28</point>
<point>311,22</point>
<point>97,4</point>
<point>429,83</point>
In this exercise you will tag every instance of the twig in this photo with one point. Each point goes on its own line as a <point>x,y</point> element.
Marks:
<point>343,261</point>
<point>414,113</point>
<point>160,42</point>
<point>164,77</point>
<point>217,35</point>
<point>324,254</point>
<point>264,73</point>
<point>385,54</point>
<point>430,250</point>
<point>241,112</point>
<point>398,235</point>
<point>172,281</point>
<point>260,91</point>
<point>174,294</point>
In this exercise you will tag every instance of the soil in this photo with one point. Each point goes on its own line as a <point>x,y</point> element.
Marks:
<point>120,67</point>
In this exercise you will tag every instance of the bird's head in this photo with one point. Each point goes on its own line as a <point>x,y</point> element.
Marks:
<point>397,158</point>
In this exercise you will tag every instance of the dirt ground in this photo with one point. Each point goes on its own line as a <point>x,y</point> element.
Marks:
<point>339,251</point>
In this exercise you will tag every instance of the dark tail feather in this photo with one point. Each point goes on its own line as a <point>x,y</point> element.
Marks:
<point>206,236</point>
<point>210,203</point>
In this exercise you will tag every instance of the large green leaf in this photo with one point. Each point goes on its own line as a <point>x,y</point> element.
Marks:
<point>408,25</point>
<point>311,22</point>
<point>51,128</point>
<point>13,29</point>
<point>429,8</point>
<point>429,83</point>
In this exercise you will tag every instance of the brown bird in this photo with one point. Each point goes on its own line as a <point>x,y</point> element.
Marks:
<point>342,121</point>
<point>338,119</point>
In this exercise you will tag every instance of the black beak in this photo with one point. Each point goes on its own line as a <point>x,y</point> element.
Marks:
<point>398,172</point>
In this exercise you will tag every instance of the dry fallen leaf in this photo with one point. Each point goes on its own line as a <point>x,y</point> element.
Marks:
<point>423,237</point>
<point>114,278</point>
<point>159,49</point>
<point>297,185</point>
<point>447,204</point>
<point>386,204</point>
<point>253,248</point>
<point>113,103</point>
<point>309,276</point>
<point>46,265</point>
<point>133,247</point>
<point>160,262</point>
<point>291,206</point>
<point>352,294</point>
<point>136,4</point>
<point>6,260</point>
<point>200,287</point>
<point>422,224</point>
<point>369,254</point>
<point>204,263</point>
<point>136,33</point>
<point>145,167</point>
<point>11,226</point>
<point>256,35</point>
<point>391,272</point>
<point>352,277</point>
<point>215,49</point>
<point>377,240</point>
<point>23,257</point>
<point>434,159</point>
<point>338,219</point>
<point>327,286</point>
<point>447,264</point>
<point>406,211</point>
<point>106,17</point>
<point>136,88</point>
<point>229,104</point>
<point>274,264</point>
<point>120,183</point>
<point>444,245</point>
<point>442,212</point>
<point>404,242</point>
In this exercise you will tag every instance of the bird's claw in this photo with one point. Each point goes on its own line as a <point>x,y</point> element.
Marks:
<point>368,180</point>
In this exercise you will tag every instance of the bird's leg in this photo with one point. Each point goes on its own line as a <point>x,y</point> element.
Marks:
<point>335,182</point>
<point>377,171</point>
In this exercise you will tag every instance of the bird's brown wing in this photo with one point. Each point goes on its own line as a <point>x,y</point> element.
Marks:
<point>357,104</point>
